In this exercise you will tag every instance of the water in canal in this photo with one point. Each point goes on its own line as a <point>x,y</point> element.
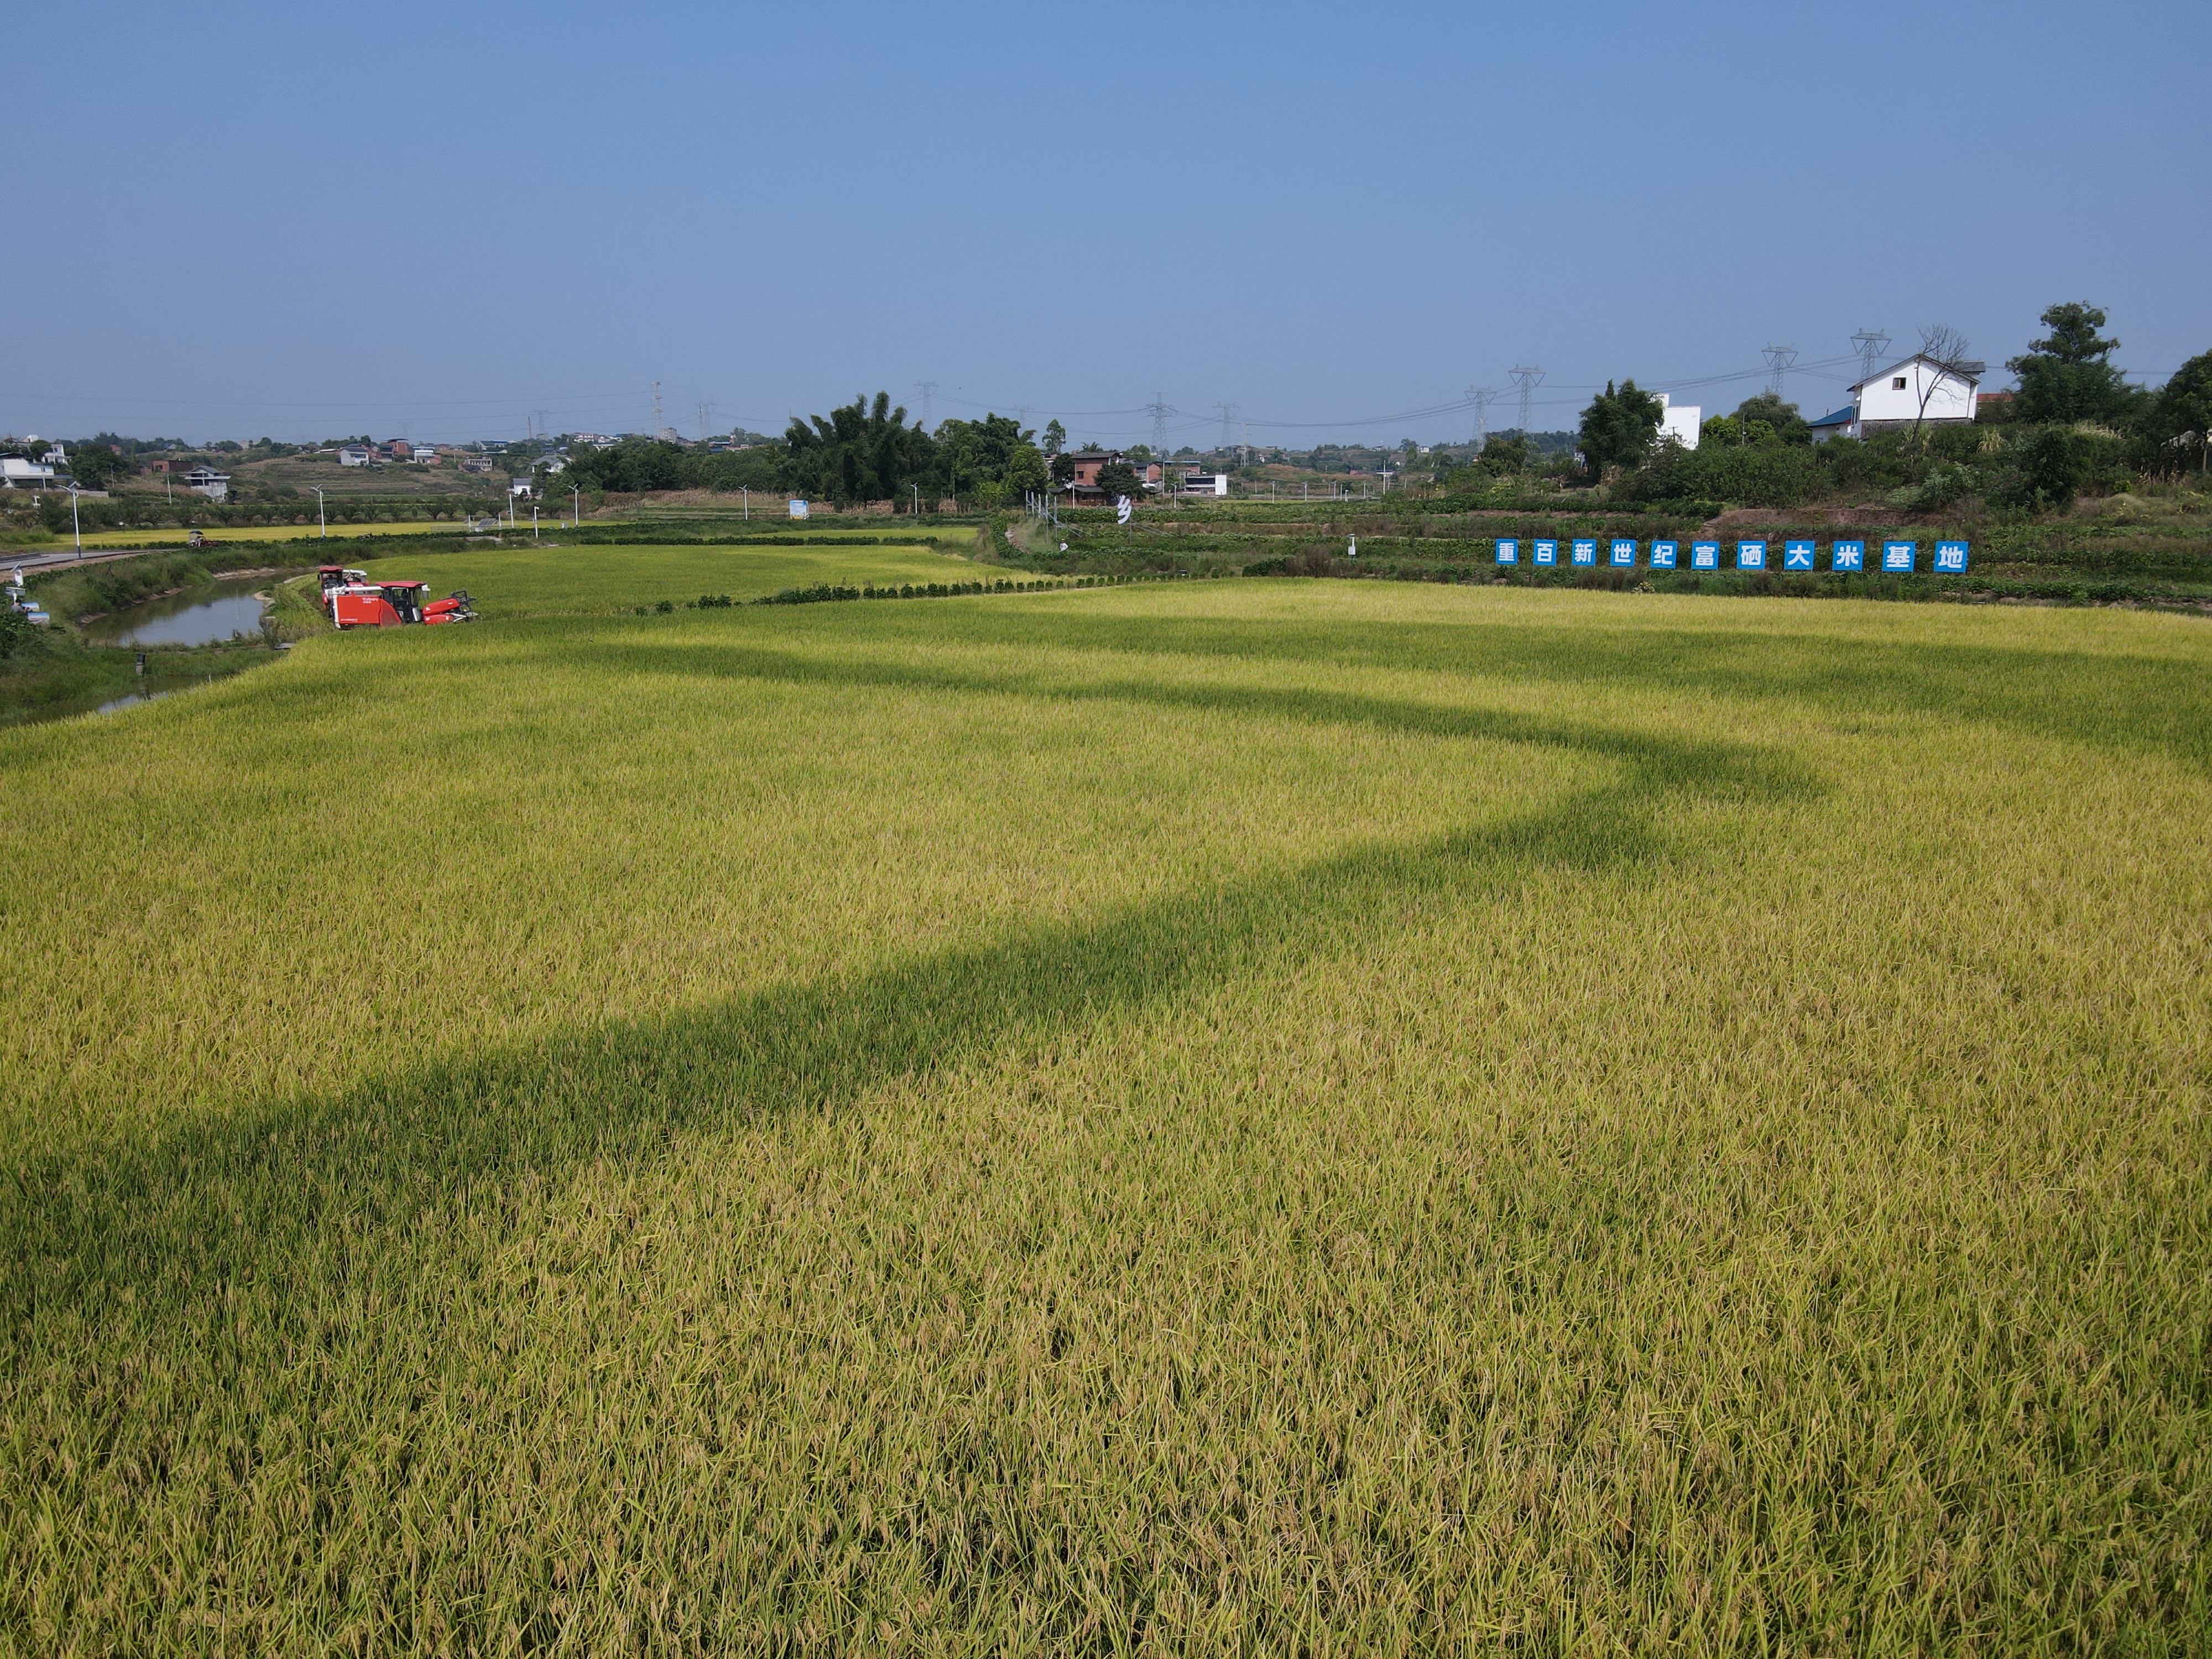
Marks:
<point>199,615</point>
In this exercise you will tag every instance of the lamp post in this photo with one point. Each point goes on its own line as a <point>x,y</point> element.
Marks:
<point>74,524</point>
<point>321,517</point>
<point>576,511</point>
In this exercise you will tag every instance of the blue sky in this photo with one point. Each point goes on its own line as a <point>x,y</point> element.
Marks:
<point>306,221</point>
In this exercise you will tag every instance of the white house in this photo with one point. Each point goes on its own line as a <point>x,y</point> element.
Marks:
<point>356,455</point>
<point>424,456</point>
<point>17,473</point>
<point>1918,388</point>
<point>1682,424</point>
<point>215,485</point>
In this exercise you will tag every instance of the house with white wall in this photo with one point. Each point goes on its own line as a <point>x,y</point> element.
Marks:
<point>356,455</point>
<point>1681,425</point>
<point>1918,388</point>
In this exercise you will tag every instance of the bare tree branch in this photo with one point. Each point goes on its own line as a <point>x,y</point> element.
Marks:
<point>1943,346</point>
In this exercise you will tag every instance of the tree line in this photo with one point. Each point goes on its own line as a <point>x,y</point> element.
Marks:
<point>865,451</point>
<point>2074,423</point>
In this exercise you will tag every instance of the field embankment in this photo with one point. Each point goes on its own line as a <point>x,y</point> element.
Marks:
<point>1306,1117</point>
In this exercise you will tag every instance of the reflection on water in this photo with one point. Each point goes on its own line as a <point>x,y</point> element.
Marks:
<point>114,703</point>
<point>201,615</point>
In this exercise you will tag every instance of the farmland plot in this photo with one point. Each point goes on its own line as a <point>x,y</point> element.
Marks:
<point>1241,1115</point>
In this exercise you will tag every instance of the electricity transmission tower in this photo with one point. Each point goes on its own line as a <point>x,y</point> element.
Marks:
<point>928,389</point>
<point>1871,343</point>
<point>659,424</point>
<point>1227,416</point>
<point>706,413</point>
<point>1778,358</point>
<point>1159,411</point>
<point>1482,395</point>
<point>1528,380</point>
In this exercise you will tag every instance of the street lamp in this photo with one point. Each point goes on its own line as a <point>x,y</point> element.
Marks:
<point>320,518</point>
<point>576,512</point>
<point>74,524</point>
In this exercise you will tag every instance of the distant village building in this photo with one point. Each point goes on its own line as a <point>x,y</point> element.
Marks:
<point>1083,485</point>
<point>1204,483</point>
<point>1918,389</point>
<point>206,481</point>
<point>1680,423</point>
<point>17,473</point>
<point>356,455</point>
<point>424,455</point>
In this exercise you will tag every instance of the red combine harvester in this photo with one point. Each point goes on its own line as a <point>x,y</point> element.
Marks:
<point>354,601</point>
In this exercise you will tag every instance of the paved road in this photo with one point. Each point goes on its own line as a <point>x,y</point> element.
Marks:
<point>64,557</point>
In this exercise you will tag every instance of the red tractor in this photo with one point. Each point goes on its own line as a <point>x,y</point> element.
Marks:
<point>354,601</point>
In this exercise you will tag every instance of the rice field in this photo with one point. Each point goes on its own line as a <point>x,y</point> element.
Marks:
<point>595,579</point>
<point>1235,1117</point>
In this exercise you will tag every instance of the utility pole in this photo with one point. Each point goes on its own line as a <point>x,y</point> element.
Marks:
<point>1871,343</point>
<point>1778,358</point>
<point>320,518</point>
<point>1482,395</point>
<point>576,505</point>
<point>928,389</point>
<point>1528,380</point>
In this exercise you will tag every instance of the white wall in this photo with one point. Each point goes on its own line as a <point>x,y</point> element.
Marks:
<point>1951,400</point>
<point>1681,423</point>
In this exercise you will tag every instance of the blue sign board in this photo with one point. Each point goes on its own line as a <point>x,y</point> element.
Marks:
<point>1751,556</point>
<point>1897,556</point>
<point>1586,552</point>
<point>1508,551</point>
<point>1796,556</point>
<point>1548,552</point>
<point>1624,552</point>
<point>1847,555</point>
<point>1704,555</point>
<point>1951,558</point>
<point>1662,555</point>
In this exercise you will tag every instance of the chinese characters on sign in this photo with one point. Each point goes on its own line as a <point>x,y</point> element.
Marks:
<point>1548,552</point>
<point>1704,555</point>
<point>1662,555</point>
<point>1897,556</point>
<point>1796,556</point>
<point>1624,553</point>
<point>1847,555</point>
<point>1586,552</point>
<point>1751,556</point>
<point>1508,551</point>
<point>1951,558</point>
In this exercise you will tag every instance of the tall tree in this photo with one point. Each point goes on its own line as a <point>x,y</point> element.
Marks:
<point>2065,375</point>
<point>2185,406</point>
<point>1618,428</point>
<point>1055,436</point>
<point>862,451</point>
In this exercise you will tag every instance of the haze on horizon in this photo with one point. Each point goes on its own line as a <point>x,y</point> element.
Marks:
<point>285,222</point>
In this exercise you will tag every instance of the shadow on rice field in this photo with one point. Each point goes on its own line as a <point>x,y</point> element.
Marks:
<point>1527,1140</point>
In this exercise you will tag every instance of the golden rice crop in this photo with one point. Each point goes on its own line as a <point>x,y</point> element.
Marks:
<point>1247,1116</point>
